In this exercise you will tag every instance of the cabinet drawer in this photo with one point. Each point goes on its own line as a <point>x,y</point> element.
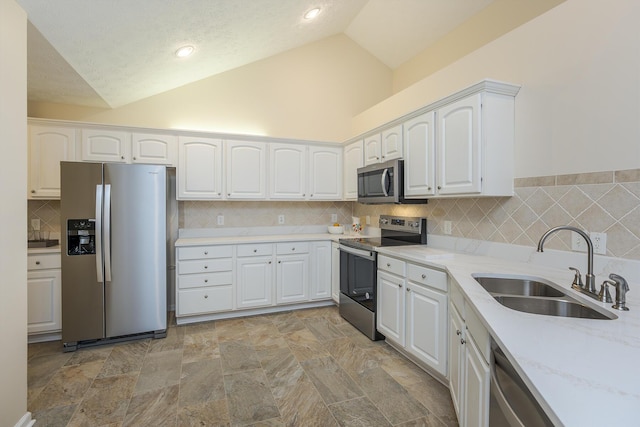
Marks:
<point>455,295</point>
<point>186,281</point>
<point>43,261</point>
<point>292,248</point>
<point>205,266</point>
<point>392,265</point>
<point>205,300</point>
<point>427,276</point>
<point>479,334</point>
<point>200,252</point>
<point>255,250</point>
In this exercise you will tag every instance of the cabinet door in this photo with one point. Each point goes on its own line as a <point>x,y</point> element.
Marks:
<point>372,149</point>
<point>325,173</point>
<point>106,146</point>
<point>199,174</point>
<point>292,278</point>
<point>335,272</point>
<point>246,170</point>
<point>419,162</point>
<point>353,160</point>
<point>456,360</point>
<point>321,272</point>
<point>44,307</point>
<point>287,171</point>
<point>154,149</point>
<point>426,335</point>
<point>458,146</point>
<point>254,282</point>
<point>391,147</point>
<point>48,146</point>
<point>476,387</point>
<point>391,308</point>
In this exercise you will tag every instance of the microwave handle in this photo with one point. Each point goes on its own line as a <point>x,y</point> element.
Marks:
<point>383,182</point>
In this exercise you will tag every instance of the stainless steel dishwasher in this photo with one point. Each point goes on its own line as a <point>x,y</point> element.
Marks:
<point>512,404</point>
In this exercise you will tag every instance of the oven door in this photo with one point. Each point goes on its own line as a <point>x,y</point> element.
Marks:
<point>358,274</point>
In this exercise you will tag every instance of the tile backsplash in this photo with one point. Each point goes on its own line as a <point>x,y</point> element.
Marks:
<point>606,202</point>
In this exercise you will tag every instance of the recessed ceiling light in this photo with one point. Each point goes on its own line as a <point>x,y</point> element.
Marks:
<point>184,51</point>
<point>312,13</point>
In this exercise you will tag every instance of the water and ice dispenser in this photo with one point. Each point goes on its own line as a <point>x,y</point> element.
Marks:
<point>81,236</point>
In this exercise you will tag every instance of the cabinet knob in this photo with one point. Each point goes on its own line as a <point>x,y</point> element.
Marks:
<point>206,296</point>
<point>255,250</point>
<point>206,252</point>
<point>279,262</point>
<point>293,248</point>
<point>388,265</point>
<point>37,262</point>
<point>229,194</point>
<point>458,332</point>
<point>122,157</point>
<point>462,341</point>
<point>439,187</point>
<point>269,262</point>
<point>33,191</point>
<point>424,276</point>
<point>206,266</point>
<point>408,290</point>
<point>206,280</point>
<point>303,194</point>
<point>133,158</point>
<point>400,285</point>
<point>219,194</point>
<point>311,195</point>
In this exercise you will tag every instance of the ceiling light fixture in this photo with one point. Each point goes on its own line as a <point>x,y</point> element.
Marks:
<point>312,13</point>
<point>184,51</point>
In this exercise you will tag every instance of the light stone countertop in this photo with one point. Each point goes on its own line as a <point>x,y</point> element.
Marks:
<point>584,372</point>
<point>49,250</point>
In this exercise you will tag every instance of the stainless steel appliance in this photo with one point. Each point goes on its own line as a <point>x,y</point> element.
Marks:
<point>511,402</point>
<point>114,252</point>
<point>359,268</point>
<point>383,183</point>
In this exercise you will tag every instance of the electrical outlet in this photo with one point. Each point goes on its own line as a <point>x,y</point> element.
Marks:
<point>368,220</point>
<point>599,241</point>
<point>280,219</point>
<point>578,243</point>
<point>334,218</point>
<point>220,219</point>
<point>447,227</point>
<point>35,224</point>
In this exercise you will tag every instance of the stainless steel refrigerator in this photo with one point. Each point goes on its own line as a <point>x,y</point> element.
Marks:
<point>114,252</point>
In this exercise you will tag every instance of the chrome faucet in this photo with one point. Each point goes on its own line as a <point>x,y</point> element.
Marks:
<point>589,286</point>
<point>622,287</point>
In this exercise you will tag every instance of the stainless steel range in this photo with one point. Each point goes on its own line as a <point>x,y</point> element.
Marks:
<point>359,268</point>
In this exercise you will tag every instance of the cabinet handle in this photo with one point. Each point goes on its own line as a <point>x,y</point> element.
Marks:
<point>424,276</point>
<point>206,296</point>
<point>37,262</point>
<point>458,332</point>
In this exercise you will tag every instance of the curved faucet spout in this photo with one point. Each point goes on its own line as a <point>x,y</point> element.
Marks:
<point>590,284</point>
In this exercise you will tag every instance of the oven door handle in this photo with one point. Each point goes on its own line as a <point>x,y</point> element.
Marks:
<point>371,255</point>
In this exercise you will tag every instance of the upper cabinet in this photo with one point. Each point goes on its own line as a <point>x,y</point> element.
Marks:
<point>246,170</point>
<point>287,171</point>
<point>102,145</point>
<point>325,173</point>
<point>419,162</point>
<point>154,149</point>
<point>353,159</point>
<point>48,146</point>
<point>382,147</point>
<point>199,172</point>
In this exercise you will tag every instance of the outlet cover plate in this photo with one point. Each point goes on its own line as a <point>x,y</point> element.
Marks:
<point>599,241</point>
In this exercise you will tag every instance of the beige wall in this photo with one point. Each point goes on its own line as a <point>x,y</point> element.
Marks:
<point>13,244</point>
<point>579,104</point>
<point>500,17</point>
<point>310,92</point>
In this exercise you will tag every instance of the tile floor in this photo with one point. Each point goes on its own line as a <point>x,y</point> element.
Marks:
<point>297,368</point>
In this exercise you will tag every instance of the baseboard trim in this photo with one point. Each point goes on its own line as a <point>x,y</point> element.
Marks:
<point>26,421</point>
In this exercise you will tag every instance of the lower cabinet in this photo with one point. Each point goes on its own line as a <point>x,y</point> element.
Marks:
<point>469,356</point>
<point>335,272</point>
<point>412,310</point>
<point>217,279</point>
<point>44,294</point>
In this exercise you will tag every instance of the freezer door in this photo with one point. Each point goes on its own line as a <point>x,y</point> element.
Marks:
<point>135,249</point>
<point>82,287</point>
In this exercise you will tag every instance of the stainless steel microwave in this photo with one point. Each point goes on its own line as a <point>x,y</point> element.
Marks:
<point>383,183</point>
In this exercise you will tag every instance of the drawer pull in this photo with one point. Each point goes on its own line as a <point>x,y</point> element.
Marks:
<point>206,253</point>
<point>206,280</point>
<point>37,262</point>
<point>388,264</point>
<point>424,276</point>
<point>255,250</point>
<point>206,296</point>
<point>206,266</point>
<point>293,249</point>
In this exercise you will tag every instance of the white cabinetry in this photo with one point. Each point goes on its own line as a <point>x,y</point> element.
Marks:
<point>384,146</point>
<point>254,275</point>
<point>335,271</point>
<point>154,149</point>
<point>469,352</point>
<point>412,310</point>
<point>246,170</point>
<point>205,280</point>
<point>44,295</point>
<point>287,171</point>
<point>353,159</point>
<point>48,146</point>
<point>292,272</point>
<point>199,174</point>
<point>325,173</point>
<point>419,162</point>
<point>321,273</point>
<point>372,149</point>
<point>106,145</point>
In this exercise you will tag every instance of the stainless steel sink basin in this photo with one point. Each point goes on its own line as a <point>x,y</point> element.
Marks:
<point>552,307</point>
<point>516,285</point>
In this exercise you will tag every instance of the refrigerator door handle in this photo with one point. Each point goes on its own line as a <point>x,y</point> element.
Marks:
<point>99,266</point>
<point>107,233</point>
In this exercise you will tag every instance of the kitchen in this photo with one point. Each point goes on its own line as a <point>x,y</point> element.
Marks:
<point>563,60</point>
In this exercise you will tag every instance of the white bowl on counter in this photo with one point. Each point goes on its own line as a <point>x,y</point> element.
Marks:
<point>335,229</point>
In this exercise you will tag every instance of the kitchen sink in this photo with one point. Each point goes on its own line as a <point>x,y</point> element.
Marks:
<point>552,307</point>
<point>533,295</point>
<point>516,285</point>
